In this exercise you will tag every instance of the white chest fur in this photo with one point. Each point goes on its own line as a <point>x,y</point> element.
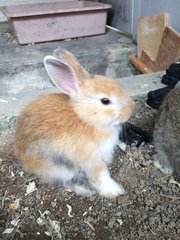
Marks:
<point>107,147</point>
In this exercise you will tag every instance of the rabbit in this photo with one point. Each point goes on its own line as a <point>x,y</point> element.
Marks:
<point>71,135</point>
<point>167,134</point>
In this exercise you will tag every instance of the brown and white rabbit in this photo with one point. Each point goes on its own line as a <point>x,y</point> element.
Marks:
<point>167,134</point>
<point>60,136</point>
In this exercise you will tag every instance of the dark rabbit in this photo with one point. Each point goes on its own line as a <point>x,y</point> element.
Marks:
<point>133,136</point>
<point>167,134</point>
<point>171,78</point>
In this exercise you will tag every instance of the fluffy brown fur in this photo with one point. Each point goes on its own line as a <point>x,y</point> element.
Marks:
<point>59,135</point>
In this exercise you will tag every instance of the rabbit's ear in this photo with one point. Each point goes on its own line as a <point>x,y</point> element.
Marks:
<point>69,58</point>
<point>62,75</point>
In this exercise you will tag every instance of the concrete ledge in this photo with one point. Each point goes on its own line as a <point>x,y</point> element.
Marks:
<point>23,77</point>
<point>137,86</point>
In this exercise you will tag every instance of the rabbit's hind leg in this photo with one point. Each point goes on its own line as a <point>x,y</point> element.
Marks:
<point>48,171</point>
<point>162,163</point>
<point>82,185</point>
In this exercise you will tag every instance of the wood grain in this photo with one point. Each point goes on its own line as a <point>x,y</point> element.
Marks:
<point>139,65</point>
<point>149,33</point>
<point>168,53</point>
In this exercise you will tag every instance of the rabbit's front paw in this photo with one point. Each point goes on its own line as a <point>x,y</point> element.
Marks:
<point>110,189</point>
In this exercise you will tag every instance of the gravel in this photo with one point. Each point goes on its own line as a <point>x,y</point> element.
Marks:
<point>150,210</point>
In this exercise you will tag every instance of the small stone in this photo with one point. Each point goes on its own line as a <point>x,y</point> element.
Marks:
<point>118,214</point>
<point>38,196</point>
<point>90,219</point>
<point>172,224</point>
<point>15,205</point>
<point>149,203</point>
<point>53,204</point>
<point>142,182</point>
<point>120,221</point>
<point>111,222</point>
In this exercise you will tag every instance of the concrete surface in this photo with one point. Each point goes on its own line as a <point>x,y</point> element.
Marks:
<point>23,76</point>
<point>137,86</point>
<point>21,67</point>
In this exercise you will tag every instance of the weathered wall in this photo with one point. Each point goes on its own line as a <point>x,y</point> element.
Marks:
<point>125,12</point>
<point>148,7</point>
<point>120,15</point>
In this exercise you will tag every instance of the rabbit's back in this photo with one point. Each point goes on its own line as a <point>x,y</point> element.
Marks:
<point>41,119</point>
<point>49,128</point>
<point>167,134</point>
<point>174,111</point>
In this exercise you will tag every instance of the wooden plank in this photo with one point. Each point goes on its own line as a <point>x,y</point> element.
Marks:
<point>149,33</point>
<point>168,53</point>
<point>139,65</point>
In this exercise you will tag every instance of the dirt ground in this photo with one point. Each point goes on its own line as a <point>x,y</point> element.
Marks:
<point>150,210</point>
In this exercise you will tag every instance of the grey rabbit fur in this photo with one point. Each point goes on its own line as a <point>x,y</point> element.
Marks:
<point>167,134</point>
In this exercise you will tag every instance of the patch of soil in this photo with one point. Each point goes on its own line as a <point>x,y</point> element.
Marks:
<point>149,210</point>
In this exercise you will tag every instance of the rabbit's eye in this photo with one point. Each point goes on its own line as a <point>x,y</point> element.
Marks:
<point>105,101</point>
